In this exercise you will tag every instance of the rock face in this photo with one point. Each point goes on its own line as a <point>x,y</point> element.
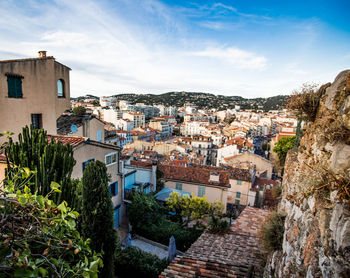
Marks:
<point>316,240</point>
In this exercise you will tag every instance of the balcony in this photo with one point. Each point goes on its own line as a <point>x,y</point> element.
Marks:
<point>136,187</point>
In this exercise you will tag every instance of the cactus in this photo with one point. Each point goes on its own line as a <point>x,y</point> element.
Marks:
<point>51,161</point>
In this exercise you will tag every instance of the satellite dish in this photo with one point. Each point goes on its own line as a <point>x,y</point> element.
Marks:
<point>73,128</point>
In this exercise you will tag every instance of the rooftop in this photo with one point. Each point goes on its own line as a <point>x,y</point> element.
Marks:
<point>71,140</point>
<point>235,254</point>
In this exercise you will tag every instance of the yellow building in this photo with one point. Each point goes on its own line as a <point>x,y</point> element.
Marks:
<point>33,91</point>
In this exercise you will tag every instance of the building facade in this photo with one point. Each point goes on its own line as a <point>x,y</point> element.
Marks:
<point>33,91</point>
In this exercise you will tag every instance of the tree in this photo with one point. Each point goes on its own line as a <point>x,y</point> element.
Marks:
<point>192,207</point>
<point>283,146</point>
<point>143,211</point>
<point>51,161</point>
<point>95,102</point>
<point>39,238</point>
<point>79,110</point>
<point>97,214</point>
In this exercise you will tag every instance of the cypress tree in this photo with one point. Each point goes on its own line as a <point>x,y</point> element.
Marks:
<point>97,214</point>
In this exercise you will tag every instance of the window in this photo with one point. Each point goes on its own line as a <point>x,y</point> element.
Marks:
<point>86,162</point>
<point>239,182</point>
<point>178,186</point>
<point>37,120</point>
<point>238,194</point>
<point>14,84</point>
<point>99,135</point>
<point>60,88</point>
<point>113,188</point>
<point>110,158</point>
<point>201,191</point>
<point>236,202</point>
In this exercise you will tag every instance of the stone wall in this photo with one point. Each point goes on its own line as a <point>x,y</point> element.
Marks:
<point>316,240</point>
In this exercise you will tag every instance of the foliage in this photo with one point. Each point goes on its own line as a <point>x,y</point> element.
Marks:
<point>95,102</point>
<point>192,207</point>
<point>218,226</point>
<point>160,183</point>
<point>283,146</point>
<point>276,191</point>
<point>305,101</point>
<point>39,239</point>
<point>148,219</point>
<point>271,232</point>
<point>79,110</point>
<point>143,210</point>
<point>51,161</point>
<point>97,214</point>
<point>133,262</point>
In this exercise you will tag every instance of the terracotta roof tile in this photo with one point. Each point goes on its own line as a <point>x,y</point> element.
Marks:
<point>72,140</point>
<point>235,254</point>
<point>201,174</point>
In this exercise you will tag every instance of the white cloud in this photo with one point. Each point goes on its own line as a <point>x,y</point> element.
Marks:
<point>236,57</point>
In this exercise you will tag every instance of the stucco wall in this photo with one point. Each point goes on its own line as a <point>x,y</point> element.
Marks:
<point>260,162</point>
<point>3,166</point>
<point>85,152</point>
<point>39,87</point>
<point>242,188</point>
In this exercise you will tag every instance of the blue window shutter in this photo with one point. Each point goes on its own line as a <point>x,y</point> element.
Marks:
<point>116,218</point>
<point>99,135</point>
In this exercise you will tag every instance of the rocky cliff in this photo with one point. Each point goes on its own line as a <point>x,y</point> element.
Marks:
<point>316,193</point>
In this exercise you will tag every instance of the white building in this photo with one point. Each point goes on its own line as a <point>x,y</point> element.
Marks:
<point>225,152</point>
<point>137,118</point>
<point>124,124</point>
<point>112,115</point>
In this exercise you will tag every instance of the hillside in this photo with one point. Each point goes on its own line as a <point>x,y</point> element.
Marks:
<point>203,100</point>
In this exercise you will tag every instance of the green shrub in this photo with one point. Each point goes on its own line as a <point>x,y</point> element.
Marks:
<point>133,262</point>
<point>218,226</point>
<point>271,232</point>
<point>148,219</point>
<point>79,110</point>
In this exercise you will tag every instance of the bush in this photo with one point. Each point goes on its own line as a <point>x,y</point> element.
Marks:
<point>133,262</point>
<point>283,146</point>
<point>147,219</point>
<point>79,110</point>
<point>271,232</point>
<point>39,238</point>
<point>305,101</point>
<point>218,226</point>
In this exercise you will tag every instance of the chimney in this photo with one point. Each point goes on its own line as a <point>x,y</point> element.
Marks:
<point>42,54</point>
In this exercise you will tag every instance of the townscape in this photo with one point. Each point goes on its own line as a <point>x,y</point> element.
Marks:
<point>174,139</point>
<point>223,157</point>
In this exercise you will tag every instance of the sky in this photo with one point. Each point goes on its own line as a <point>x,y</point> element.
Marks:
<point>249,48</point>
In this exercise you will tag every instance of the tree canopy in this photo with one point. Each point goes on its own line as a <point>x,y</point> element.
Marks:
<point>283,146</point>
<point>192,207</point>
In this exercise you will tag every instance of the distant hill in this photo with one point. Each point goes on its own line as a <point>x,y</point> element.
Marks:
<point>204,100</point>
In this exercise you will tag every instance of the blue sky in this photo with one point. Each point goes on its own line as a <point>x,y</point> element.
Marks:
<point>246,48</point>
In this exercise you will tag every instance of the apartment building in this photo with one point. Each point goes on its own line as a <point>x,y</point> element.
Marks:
<point>137,118</point>
<point>33,91</point>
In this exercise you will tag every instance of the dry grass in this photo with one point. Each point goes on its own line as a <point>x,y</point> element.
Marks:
<point>271,232</point>
<point>305,101</point>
